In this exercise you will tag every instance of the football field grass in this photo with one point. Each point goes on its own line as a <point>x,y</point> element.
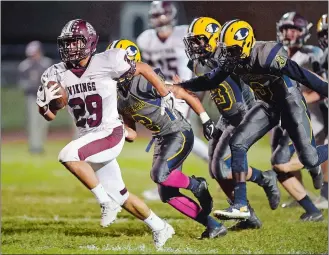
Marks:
<point>46,210</point>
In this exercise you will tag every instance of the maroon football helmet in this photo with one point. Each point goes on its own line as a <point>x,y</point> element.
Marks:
<point>295,21</point>
<point>162,14</point>
<point>77,41</point>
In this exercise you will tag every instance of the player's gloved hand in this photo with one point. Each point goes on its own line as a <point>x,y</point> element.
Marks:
<point>168,101</point>
<point>45,94</point>
<point>209,129</point>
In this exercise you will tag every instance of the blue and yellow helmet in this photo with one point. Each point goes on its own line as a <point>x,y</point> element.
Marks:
<point>202,36</point>
<point>130,47</point>
<point>237,36</point>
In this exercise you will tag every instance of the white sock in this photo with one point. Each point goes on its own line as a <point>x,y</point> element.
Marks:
<point>154,222</point>
<point>100,194</point>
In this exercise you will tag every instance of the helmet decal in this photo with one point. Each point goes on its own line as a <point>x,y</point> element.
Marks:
<point>212,28</point>
<point>241,34</point>
<point>131,51</point>
<point>90,29</point>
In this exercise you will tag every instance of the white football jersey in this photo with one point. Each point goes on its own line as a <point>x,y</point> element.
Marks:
<point>92,98</point>
<point>169,55</point>
<point>306,55</point>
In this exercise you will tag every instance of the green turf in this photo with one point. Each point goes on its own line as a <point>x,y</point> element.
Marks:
<point>46,210</point>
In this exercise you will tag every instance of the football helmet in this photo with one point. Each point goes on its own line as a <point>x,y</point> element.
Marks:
<point>77,41</point>
<point>201,39</point>
<point>236,41</point>
<point>162,15</point>
<point>132,50</point>
<point>295,21</point>
<point>322,31</point>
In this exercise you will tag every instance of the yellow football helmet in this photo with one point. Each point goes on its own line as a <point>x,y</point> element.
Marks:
<point>237,39</point>
<point>322,31</point>
<point>202,37</point>
<point>130,47</point>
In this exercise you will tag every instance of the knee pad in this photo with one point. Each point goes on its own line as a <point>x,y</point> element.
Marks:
<point>309,157</point>
<point>160,171</point>
<point>239,156</point>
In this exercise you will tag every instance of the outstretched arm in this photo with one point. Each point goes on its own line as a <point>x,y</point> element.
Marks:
<point>206,82</point>
<point>147,71</point>
<point>209,129</point>
<point>305,77</point>
<point>191,99</point>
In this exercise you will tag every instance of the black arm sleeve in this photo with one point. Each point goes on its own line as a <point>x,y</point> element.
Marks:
<point>305,77</point>
<point>206,82</point>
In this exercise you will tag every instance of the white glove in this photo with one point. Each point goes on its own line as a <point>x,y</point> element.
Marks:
<point>45,94</point>
<point>168,101</point>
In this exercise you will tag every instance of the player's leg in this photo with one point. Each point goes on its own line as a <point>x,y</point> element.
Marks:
<point>298,192</point>
<point>191,209</point>
<point>170,152</point>
<point>282,159</point>
<point>283,153</point>
<point>322,202</point>
<point>96,149</point>
<point>110,177</point>
<point>296,120</point>
<point>200,149</point>
<point>221,167</point>
<point>257,122</point>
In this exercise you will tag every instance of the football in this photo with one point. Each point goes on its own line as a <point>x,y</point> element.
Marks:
<point>59,103</point>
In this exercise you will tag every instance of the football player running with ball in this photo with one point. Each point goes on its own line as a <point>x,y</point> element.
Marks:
<point>265,67</point>
<point>90,80</point>
<point>139,102</point>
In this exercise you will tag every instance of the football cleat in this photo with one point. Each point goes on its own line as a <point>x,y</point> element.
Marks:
<point>160,237</point>
<point>235,211</point>
<point>203,195</point>
<point>214,232</point>
<point>317,177</point>
<point>316,216</point>
<point>252,222</point>
<point>109,212</point>
<point>271,188</point>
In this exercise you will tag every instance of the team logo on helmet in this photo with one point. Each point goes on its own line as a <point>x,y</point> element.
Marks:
<point>241,34</point>
<point>131,51</point>
<point>212,28</point>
